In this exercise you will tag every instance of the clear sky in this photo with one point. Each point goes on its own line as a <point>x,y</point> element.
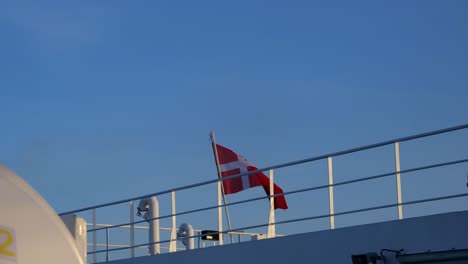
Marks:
<point>104,100</point>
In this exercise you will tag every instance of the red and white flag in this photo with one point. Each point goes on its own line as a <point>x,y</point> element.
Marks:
<point>231,163</point>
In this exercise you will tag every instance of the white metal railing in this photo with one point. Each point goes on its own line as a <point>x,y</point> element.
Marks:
<point>109,246</point>
<point>397,173</point>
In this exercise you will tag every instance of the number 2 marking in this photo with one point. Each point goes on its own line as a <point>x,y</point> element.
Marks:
<point>7,243</point>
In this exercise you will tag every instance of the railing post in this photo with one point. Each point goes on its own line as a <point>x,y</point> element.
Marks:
<point>94,236</point>
<point>220,213</point>
<point>107,244</point>
<point>173,243</point>
<point>398,180</point>
<point>330,193</point>
<point>132,229</point>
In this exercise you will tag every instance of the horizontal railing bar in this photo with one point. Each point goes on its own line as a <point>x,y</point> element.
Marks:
<point>125,245</point>
<point>310,218</point>
<point>114,245</point>
<point>334,154</point>
<point>114,226</point>
<point>375,177</point>
<point>165,229</point>
<point>298,191</point>
<point>125,226</point>
<point>179,248</point>
<point>440,198</point>
<point>108,226</point>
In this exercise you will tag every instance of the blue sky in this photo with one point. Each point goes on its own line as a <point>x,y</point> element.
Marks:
<point>104,100</point>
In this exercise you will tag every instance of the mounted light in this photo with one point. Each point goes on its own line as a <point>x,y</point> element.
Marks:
<point>210,235</point>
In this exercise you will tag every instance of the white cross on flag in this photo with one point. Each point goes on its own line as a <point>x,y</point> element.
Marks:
<point>231,163</point>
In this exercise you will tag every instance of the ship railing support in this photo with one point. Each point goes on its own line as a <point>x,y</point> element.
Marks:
<point>398,180</point>
<point>330,193</point>
<point>132,228</point>
<point>173,243</point>
<point>94,236</point>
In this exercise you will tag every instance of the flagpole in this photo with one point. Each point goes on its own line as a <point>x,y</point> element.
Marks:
<point>271,220</point>
<point>215,153</point>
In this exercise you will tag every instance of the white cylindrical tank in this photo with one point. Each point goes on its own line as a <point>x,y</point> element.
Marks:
<point>77,227</point>
<point>31,231</point>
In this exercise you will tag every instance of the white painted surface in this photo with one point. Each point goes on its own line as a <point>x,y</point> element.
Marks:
<point>414,235</point>
<point>330,193</point>
<point>173,243</point>
<point>78,229</point>
<point>39,236</point>
<point>151,205</point>
<point>185,234</point>
<point>398,180</point>
<point>271,218</point>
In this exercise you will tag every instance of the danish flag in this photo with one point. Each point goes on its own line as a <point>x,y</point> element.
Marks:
<point>231,163</point>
